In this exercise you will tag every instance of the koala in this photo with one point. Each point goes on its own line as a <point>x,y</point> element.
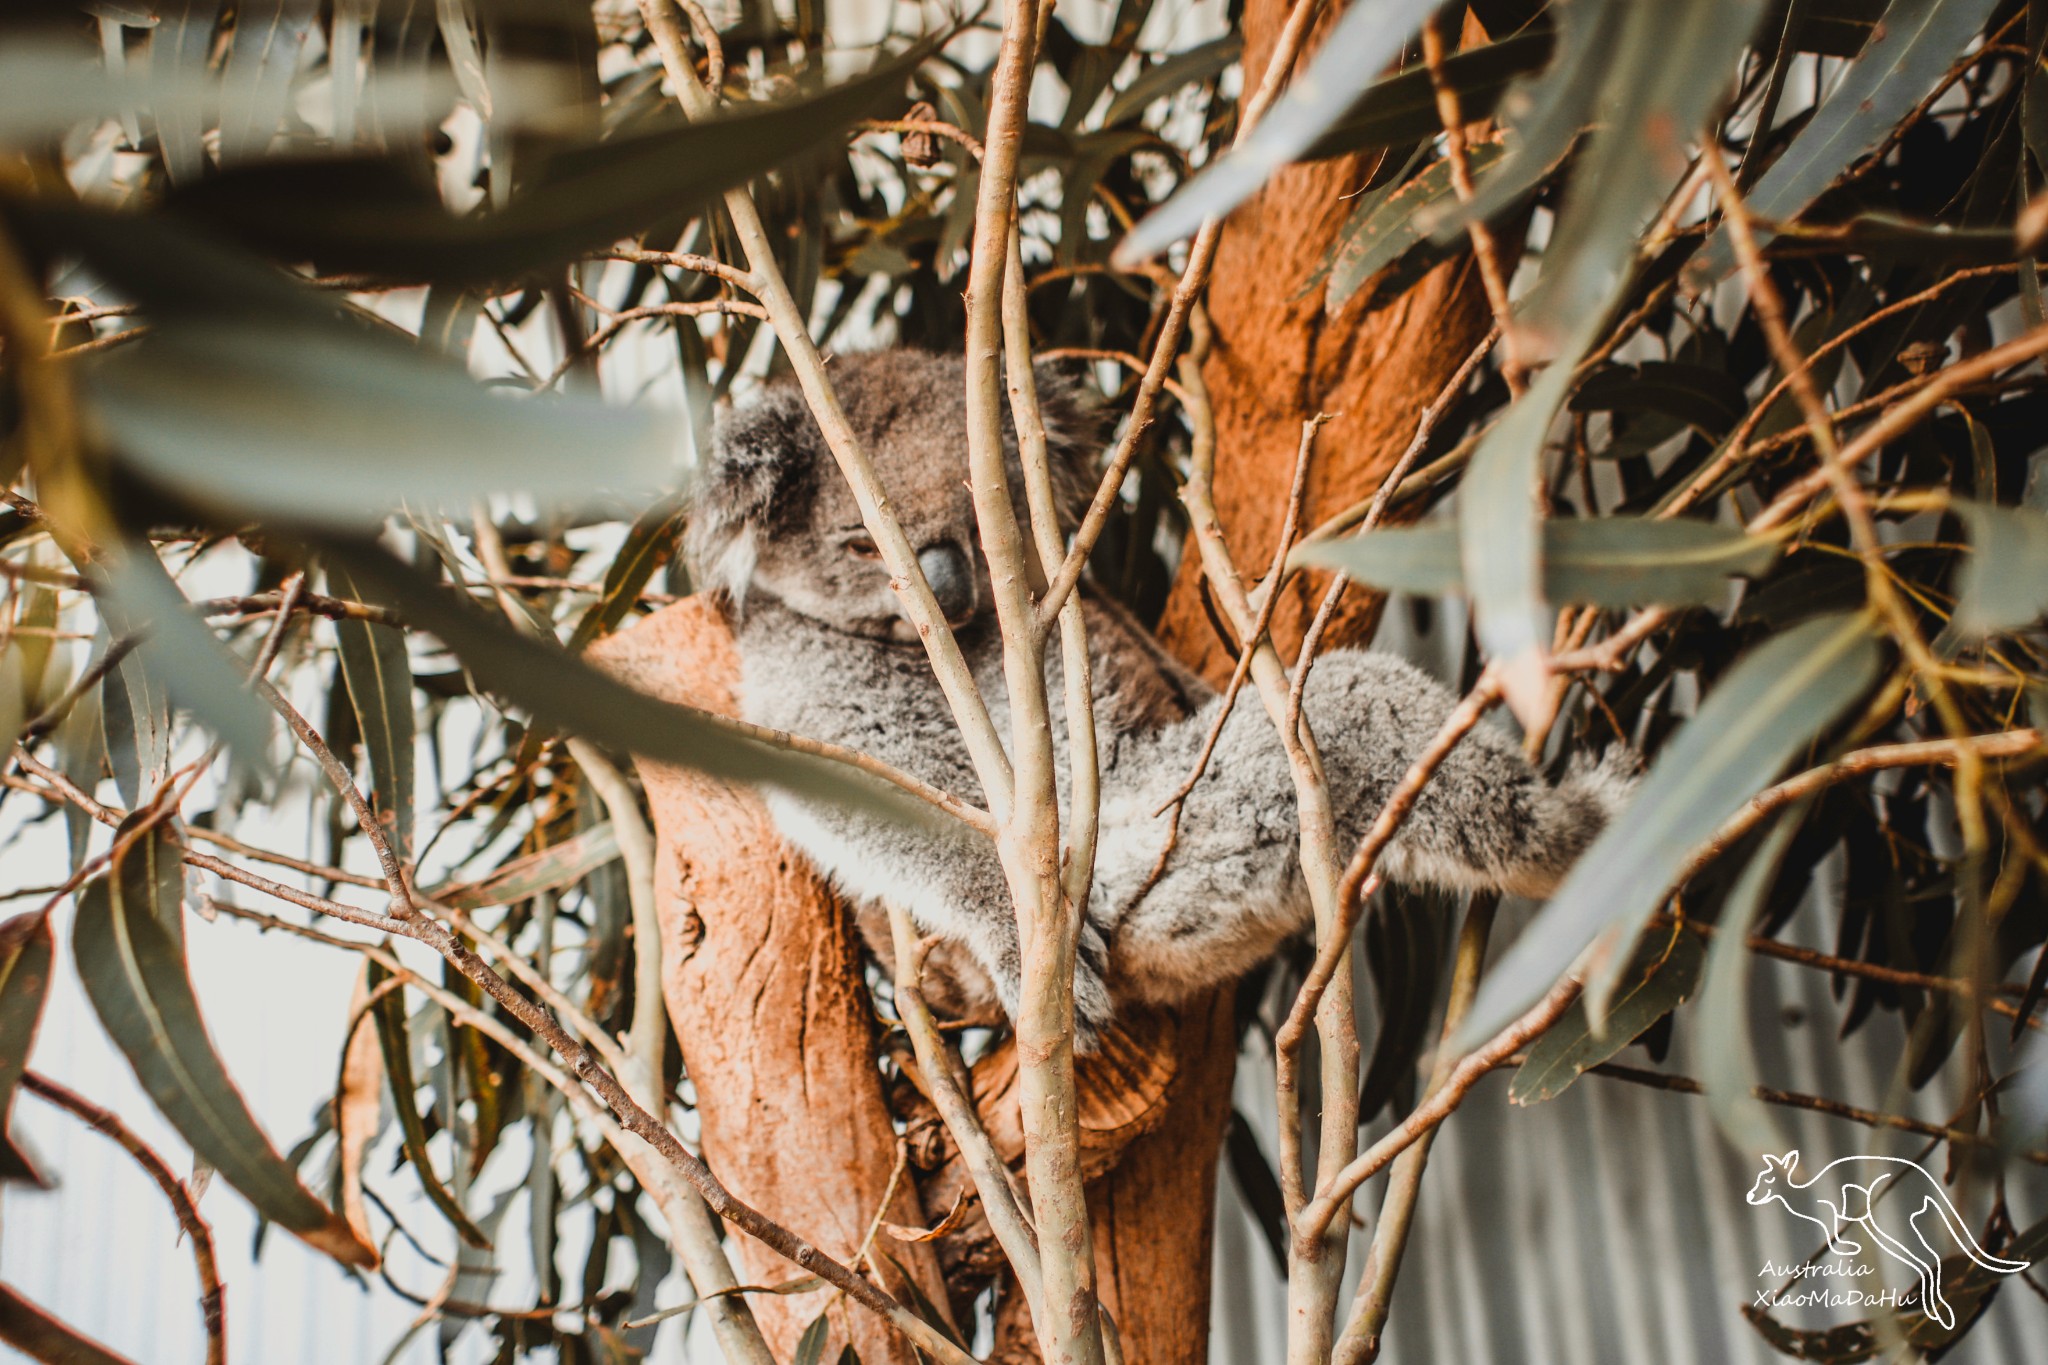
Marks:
<point>825,652</point>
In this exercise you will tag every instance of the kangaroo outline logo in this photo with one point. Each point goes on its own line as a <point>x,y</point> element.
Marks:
<point>1844,1193</point>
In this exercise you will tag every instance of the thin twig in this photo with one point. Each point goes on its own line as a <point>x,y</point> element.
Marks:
<point>1359,1343</point>
<point>1194,279</point>
<point>1335,1196</point>
<point>212,1297</point>
<point>1376,511</point>
<point>1485,250</point>
<point>396,878</point>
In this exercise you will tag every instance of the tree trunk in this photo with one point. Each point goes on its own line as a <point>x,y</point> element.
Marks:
<point>763,982</point>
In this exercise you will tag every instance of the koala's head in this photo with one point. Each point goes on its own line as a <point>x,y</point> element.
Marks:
<point>771,516</point>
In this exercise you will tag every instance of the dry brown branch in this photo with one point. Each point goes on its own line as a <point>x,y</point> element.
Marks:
<point>1334,1198</point>
<point>212,1297</point>
<point>1817,1104</point>
<point>1485,250</point>
<point>397,880</point>
<point>1359,1343</point>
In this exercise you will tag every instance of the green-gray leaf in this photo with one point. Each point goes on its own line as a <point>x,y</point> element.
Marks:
<point>1769,708</point>
<point>1907,54</point>
<point>25,949</point>
<point>564,692</point>
<point>1385,228</point>
<point>354,216</point>
<point>1663,977</point>
<point>1610,562</point>
<point>277,416</point>
<point>1727,1061</point>
<point>134,974</point>
<point>200,673</point>
<point>378,671</point>
<point>1370,35</point>
<point>2004,582</point>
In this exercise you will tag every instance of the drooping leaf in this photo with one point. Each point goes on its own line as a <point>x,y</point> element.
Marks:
<point>389,1016</point>
<point>25,950</point>
<point>1907,53</point>
<point>564,692</point>
<point>256,80</point>
<point>200,674</point>
<point>1704,397</point>
<point>551,869</point>
<point>648,545</point>
<point>1385,228</point>
<point>1370,35</point>
<point>183,46</point>
<point>204,408</point>
<point>29,1329</point>
<point>359,1113</point>
<point>1767,709</point>
<point>1610,562</point>
<point>2003,583</point>
<point>134,974</point>
<point>1500,536</point>
<point>1258,1187</point>
<point>1650,108</point>
<point>1651,102</point>
<point>378,670</point>
<point>1402,107</point>
<point>1728,1071</point>
<point>810,1347</point>
<point>1203,62</point>
<point>357,216</point>
<point>1662,977</point>
<point>1544,114</point>
<point>1404,951</point>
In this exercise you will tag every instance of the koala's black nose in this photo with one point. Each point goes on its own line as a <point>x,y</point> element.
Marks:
<point>947,569</point>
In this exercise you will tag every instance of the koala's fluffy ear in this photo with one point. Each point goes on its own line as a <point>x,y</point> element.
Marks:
<point>761,466</point>
<point>1076,426</point>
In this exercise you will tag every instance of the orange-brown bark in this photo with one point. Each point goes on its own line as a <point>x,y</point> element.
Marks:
<point>763,982</point>
<point>1276,359</point>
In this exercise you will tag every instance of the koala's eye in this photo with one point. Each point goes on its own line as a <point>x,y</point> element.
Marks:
<point>862,548</point>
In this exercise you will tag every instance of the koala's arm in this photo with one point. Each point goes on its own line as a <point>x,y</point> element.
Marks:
<point>1232,888</point>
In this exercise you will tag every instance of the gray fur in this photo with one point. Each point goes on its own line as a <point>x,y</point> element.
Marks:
<point>825,653</point>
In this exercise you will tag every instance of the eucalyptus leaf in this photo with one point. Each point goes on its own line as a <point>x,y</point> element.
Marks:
<point>550,869</point>
<point>134,974</point>
<point>201,675</point>
<point>280,417</point>
<point>561,691</point>
<point>388,1015</point>
<point>256,80</point>
<point>1370,35</point>
<point>378,670</point>
<point>26,946</point>
<point>1403,107</point>
<point>1728,1070</point>
<point>2003,583</point>
<point>1610,562</point>
<point>363,215</point>
<point>1202,62</point>
<point>1663,976</point>
<point>43,1337</point>
<point>1907,54</point>
<point>1771,705</point>
<point>1385,228</point>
